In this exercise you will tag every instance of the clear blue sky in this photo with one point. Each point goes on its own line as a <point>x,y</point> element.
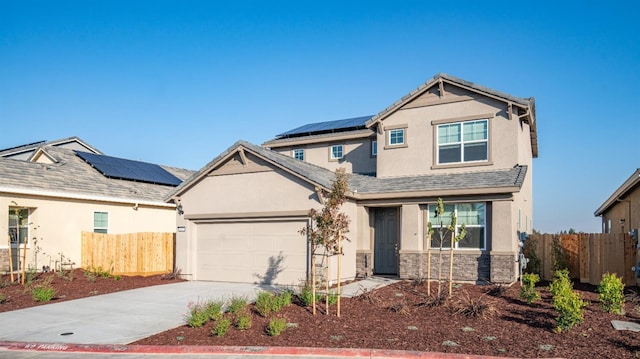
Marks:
<point>177,82</point>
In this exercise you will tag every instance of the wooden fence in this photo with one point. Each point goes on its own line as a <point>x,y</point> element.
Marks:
<point>588,255</point>
<point>129,254</point>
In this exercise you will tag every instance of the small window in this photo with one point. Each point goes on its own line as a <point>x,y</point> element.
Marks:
<point>100,222</point>
<point>298,154</point>
<point>396,137</point>
<point>374,148</point>
<point>18,225</point>
<point>337,152</point>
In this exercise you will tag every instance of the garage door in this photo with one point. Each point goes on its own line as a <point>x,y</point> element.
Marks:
<point>252,252</point>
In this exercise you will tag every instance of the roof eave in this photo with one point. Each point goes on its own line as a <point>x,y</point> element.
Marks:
<point>632,181</point>
<point>437,193</point>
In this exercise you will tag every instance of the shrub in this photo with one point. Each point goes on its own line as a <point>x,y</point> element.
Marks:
<point>221,327</point>
<point>243,321</point>
<point>197,315</point>
<point>333,298</point>
<point>2,298</point>
<point>213,309</point>
<point>528,291</point>
<point>477,307</point>
<point>43,293</point>
<point>306,295</point>
<point>566,301</point>
<point>276,326</point>
<point>264,303</point>
<point>611,295</point>
<point>238,305</point>
<point>282,300</point>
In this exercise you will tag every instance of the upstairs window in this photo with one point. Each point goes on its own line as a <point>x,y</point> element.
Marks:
<point>100,222</point>
<point>336,152</point>
<point>463,142</point>
<point>298,154</point>
<point>396,137</point>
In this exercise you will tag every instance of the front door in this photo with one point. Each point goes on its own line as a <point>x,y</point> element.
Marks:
<point>385,241</point>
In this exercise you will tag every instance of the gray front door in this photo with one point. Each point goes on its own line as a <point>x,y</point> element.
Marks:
<point>385,241</point>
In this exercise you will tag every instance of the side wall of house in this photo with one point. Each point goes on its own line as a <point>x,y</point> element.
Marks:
<point>57,224</point>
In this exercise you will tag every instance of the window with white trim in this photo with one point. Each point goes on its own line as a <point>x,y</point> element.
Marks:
<point>463,142</point>
<point>472,215</point>
<point>374,148</point>
<point>336,152</point>
<point>18,225</point>
<point>396,137</point>
<point>298,154</point>
<point>100,222</point>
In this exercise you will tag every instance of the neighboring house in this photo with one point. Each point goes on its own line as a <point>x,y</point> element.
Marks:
<point>621,211</point>
<point>51,192</point>
<point>240,215</point>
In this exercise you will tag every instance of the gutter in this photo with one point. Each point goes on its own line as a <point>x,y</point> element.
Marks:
<point>85,197</point>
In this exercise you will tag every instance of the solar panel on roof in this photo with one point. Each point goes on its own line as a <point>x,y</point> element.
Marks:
<point>121,168</point>
<point>328,126</point>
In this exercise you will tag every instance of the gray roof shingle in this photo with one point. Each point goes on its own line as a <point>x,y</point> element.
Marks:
<point>362,184</point>
<point>72,177</point>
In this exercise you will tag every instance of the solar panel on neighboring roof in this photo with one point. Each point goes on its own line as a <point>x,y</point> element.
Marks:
<point>326,127</point>
<point>121,168</point>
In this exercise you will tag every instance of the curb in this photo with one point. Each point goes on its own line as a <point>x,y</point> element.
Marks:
<point>229,350</point>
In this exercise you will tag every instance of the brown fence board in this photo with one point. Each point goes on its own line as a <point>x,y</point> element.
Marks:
<point>128,254</point>
<point>589,255</point>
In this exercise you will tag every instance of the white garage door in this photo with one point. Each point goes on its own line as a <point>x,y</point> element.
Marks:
<point>254,252</point>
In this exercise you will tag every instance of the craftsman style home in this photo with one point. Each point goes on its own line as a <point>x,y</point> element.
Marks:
<point>52,191</point>
<point>239,217</point>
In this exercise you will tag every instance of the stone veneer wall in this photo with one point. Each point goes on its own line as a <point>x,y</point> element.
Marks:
<point>364,264</point>
<point>466,267</point>
<point>4,260</point>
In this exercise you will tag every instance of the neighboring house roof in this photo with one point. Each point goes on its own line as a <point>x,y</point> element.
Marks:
<point>368,187</point>
<point>630,184</point>
<point>315,138</point>
<point>526,105</point>
<point>31,148</point>
<point>71,177</point>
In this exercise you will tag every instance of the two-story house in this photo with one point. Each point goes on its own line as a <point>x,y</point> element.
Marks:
<point>240,215</point>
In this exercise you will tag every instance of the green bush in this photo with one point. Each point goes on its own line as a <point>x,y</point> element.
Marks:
<point>566,301</point>
<point>2,298</point>
<point>333,298</point>
<point>213,309</point>
<point>282,300</point>
<point>276,326</point>
<point>43,293</point>
<point>611,295</point>
<point>221,327</point>
<point>528,291</point>
<point>264,303</point>
<point>197,315</point>
<point>238,305</point>
<point>306,295</point>
<point>243,321</point>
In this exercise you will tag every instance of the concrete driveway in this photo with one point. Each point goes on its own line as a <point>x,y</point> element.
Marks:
<point>117,318</point>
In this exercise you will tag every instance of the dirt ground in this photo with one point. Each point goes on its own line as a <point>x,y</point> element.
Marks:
<point>399,316</point>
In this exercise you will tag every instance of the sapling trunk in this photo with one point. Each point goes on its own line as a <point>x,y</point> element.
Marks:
<point>451,264</point>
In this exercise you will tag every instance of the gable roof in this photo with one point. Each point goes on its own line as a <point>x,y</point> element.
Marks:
<point>29,149</point>
<point>626,188</point>
<point>527,110</point>
<point>71,177</point>
<point>368,187</point>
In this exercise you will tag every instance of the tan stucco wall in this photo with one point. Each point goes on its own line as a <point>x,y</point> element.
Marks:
<point>58,223</point>
<point>620,210</point>
<point>357,157</point>
<point>417,158</point>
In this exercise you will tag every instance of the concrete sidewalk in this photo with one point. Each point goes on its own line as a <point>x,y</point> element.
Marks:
<point>127,316</point>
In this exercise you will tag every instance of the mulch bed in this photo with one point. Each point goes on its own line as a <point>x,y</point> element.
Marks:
<point>70,284</point>
<point>398,317</point>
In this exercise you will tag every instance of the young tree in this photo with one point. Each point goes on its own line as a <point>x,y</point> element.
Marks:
<point>328,228</point>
